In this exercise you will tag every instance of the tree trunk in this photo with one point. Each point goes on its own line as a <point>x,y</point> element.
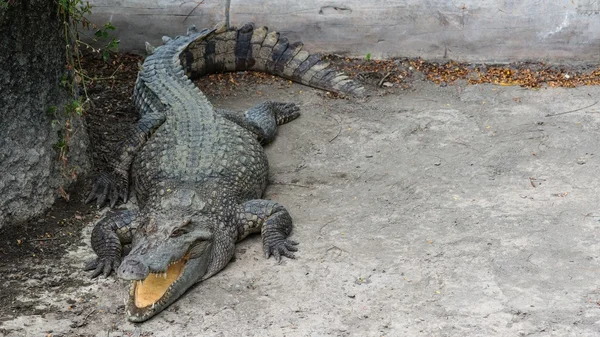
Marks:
<point>42,142</point>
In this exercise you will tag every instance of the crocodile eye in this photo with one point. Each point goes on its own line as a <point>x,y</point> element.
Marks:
<point>178,232</point>
<point>185,228</point>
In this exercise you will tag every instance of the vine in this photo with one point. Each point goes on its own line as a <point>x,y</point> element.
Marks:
<point>74,18</point>
<point>74,15</point>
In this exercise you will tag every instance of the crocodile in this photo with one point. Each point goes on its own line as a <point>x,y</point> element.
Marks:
<point>198,173</point>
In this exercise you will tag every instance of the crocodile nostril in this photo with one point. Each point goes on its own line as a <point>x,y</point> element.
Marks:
<point>133,270</point>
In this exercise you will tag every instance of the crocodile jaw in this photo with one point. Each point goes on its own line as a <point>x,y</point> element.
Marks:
<point>158,290</point>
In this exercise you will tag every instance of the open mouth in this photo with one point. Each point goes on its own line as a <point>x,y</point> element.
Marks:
<point>160,288</point>
<point>151,290</point>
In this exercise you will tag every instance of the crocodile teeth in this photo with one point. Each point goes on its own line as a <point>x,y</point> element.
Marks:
<point>165,275</point>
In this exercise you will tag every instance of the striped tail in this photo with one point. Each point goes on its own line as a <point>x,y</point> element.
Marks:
<point>257,49</point>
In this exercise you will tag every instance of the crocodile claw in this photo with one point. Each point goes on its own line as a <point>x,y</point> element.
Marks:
<point>109,186</point>
<point>102,265</point>
<point>283,247</point>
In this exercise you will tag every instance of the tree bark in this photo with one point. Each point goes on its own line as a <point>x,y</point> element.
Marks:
<point>34,123</point>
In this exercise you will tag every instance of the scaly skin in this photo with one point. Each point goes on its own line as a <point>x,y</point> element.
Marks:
<point>198,173</point>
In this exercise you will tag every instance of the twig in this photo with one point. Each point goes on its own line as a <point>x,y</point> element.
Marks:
<point>528,259</point>
<point>88,46</point>
<point>325,225</point>
<point>339,131</point>
<point>192,11</point>
<point>111,77</point>
<point>383,79</point>
<point>591,215</point>
<point>88,315</point>
<point>567,112</point>
<point>43,239</point>
<point>334,247</point>
<point>114,72</point>
<point>82,322</point>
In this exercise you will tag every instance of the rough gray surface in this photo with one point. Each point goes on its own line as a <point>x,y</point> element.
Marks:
<point>417,216</point>
<point>32,62</point>
<point>468,30</point>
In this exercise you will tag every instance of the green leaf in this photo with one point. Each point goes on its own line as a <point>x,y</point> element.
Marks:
<point>52,110</point>
<point>109,26</point>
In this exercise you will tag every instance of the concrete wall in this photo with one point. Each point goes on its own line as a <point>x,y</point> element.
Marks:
<point>466,30</point>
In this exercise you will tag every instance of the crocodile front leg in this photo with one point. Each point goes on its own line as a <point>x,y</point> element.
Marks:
<point>274,223</point>
<point>115,184</point>
<point>108,237</point>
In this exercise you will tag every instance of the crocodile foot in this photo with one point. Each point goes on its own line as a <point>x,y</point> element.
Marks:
<point>103,265</point>
<point>279,247</point>
<point>285,112</point>
<point>110,186</point>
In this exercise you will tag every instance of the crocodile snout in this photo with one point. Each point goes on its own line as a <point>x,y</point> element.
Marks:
<point>132,270</point>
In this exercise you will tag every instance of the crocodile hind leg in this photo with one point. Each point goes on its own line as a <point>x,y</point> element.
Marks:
<point>274,223</point>
<point>263,119</point>
<point>108,237</point>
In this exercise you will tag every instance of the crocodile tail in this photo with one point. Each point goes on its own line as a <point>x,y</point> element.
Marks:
<point>257,49</point>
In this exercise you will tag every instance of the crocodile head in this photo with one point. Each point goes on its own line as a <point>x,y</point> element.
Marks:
<point>168,256</point>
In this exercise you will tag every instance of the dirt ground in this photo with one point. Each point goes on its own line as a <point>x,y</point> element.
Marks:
<point>428,209</point>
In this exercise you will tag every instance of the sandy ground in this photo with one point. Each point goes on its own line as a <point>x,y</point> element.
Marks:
<point>437,211</point>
